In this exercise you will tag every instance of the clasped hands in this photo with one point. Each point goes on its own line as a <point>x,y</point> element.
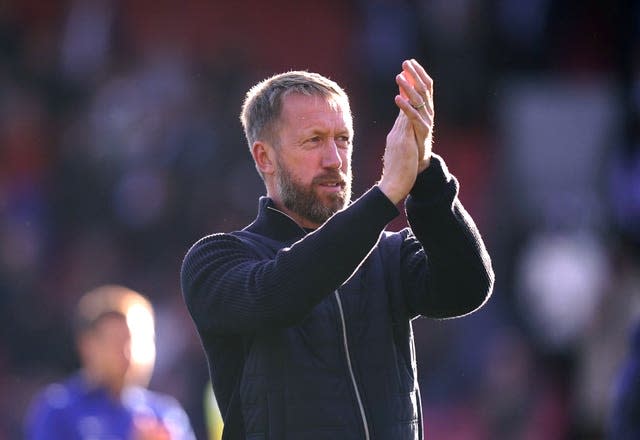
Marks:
<point>408,148</point>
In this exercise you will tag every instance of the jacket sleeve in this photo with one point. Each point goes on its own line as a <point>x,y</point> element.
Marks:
<point>229,288</point>
<point>446,268</point>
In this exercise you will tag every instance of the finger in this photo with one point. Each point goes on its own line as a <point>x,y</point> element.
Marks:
<point>406,90</point>
<point>421,90</point>
<point>422,123</point>
<point>410,124</point>
<point>409,92</point>
<point>407,108</point>
<point>414,79</point>
<point>422,83</point>
<point>424,76</point>
<point>402,88</point>
<point>425,82</point>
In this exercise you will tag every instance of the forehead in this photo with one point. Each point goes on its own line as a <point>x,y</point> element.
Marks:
<point>303,110</point>
<point>110,324</point>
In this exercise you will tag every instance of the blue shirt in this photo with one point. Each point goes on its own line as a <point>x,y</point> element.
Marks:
<point>74,410</point>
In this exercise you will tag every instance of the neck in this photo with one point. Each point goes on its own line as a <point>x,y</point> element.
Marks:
<point>300,221</point>
<point>112,386</point>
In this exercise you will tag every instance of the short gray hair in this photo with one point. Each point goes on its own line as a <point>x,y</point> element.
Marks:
<point>263,103</point>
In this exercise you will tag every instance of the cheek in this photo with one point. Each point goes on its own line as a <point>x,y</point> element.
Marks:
<point>346,160</point>
<point>118,356</point>
<point>305,168</point>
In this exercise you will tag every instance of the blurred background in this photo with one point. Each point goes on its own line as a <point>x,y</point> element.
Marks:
<point>120,145</point>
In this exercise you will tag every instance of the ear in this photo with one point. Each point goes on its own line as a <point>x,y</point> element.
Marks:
<point>264,157</point>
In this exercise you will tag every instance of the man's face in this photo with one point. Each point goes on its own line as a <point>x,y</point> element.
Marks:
<point>313,164</point>
<point>106,349</point>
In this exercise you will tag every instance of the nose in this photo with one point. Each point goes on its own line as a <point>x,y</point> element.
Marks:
<point>332,157</point>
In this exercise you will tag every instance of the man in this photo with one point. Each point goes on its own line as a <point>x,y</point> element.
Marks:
<point>107,398</point>
<point>305,315</point>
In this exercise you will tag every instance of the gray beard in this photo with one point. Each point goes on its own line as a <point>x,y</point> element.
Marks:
<point>304,201</point>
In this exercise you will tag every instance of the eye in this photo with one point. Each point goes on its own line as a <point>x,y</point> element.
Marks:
<point>343,141</point>
<point>313,141</point>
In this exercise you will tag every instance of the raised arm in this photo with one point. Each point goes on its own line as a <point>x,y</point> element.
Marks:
<point>229,287</point>
<point>446,268</point>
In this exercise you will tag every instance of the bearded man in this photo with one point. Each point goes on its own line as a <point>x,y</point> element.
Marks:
<point>305,314</point>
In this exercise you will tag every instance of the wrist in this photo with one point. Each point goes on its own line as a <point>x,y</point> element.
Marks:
<point>424,164</point>
<point>393,193</point>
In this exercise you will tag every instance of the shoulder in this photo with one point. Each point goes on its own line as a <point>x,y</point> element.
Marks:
<point>49,406</point>
<point>60,395</point>
<point>54,397</point>
<point>216,239</point>
<point>225,247</point>
<point>220,242</point>
<point>164,406</point>
<point>220,245</point>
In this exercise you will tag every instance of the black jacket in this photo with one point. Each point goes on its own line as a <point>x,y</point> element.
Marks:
<point>308,334</point>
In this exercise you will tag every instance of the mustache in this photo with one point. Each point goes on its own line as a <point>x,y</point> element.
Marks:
<point>330,177</point>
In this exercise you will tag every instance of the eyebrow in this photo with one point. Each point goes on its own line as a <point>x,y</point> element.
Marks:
<point>315,129</point>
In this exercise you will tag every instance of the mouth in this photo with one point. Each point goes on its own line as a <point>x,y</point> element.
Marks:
<point>339,184</point>
<point>332,185</point>
<point>333,180</point>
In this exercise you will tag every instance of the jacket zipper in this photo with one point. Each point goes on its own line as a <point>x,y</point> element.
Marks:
<point>345,342</point>
<point>348,356</point>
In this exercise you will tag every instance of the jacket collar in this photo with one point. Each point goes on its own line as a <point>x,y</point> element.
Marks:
<point>275,224</point>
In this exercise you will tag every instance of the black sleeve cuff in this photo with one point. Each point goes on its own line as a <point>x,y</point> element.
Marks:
<point>435,185</point>
<point>383,205</point>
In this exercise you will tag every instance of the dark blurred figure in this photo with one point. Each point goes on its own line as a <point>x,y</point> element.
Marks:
<point>108,398</point>
<point>625,415</point>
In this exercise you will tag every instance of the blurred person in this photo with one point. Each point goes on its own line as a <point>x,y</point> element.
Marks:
<point>108,396</point>
<point>305,314</point>
<point>624,423</point>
